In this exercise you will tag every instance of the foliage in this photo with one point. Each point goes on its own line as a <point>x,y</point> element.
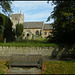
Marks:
<point>64,21</point>
<point>6,28</point>
<point>6,6</point>
<point>19,29</point>
<point>64,26</point>
<point>8,34</point>
<point>2,23</point>
<point>30,43</point>
<point>71,52</point>
<point>59,67</point>
<point>3,67</point>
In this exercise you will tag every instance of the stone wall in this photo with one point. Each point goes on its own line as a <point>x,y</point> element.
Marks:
<point>45,51</point>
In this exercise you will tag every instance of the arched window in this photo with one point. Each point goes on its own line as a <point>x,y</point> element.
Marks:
<point>37,32</point>
<point>27,35</point>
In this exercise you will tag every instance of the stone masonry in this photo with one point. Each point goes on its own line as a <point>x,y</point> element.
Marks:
<point>44,51</point>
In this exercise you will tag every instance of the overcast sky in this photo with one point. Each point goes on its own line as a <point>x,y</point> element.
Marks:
<point>33,10</point>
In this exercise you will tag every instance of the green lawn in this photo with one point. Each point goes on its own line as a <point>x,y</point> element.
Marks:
<point>59,67</point>
<point>36,42</point>
<point>49,67</point>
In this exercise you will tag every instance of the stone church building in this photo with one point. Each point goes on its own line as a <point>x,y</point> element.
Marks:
<point>31,29</point>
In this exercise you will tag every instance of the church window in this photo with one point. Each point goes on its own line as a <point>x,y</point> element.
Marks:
<point>40,32</point>
<point>45,33</point>
<point>37,32</point>
<point>15,18</point>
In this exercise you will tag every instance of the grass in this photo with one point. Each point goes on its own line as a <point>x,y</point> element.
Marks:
<point>49,67</point>
<point>59,67</point>
<point>36,42</point>
<point>3,67</point>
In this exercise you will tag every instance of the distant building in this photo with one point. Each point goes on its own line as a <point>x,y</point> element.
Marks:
<point>47,29</point>
<point>31,29</point>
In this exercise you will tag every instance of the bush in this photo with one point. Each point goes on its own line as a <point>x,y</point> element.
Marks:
<point>1,38</point>
<point>69,52</point>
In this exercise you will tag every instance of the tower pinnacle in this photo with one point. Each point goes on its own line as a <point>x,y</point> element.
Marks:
<point>20,11</point>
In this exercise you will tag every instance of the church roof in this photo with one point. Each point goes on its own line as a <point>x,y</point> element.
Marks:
<point>33,24</point>
<point>47,27</point>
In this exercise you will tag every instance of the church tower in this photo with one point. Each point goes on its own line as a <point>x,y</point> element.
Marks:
<point>17,18</point>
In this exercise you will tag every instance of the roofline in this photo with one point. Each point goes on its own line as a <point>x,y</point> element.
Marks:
<point>47,23</point>
<point>16,14</point>
<point>47,29</point>
<point>35,21</point>
<point>32,28</point>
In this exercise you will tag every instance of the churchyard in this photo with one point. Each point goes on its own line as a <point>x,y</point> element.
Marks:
<point>36,43</point>
<point>53,41</point>
<point>49,67</point>
<point>59,67</point>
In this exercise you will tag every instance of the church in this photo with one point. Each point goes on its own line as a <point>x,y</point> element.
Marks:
<point>30,29</point>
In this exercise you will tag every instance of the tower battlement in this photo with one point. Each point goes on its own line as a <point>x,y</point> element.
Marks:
<point>17,18</point>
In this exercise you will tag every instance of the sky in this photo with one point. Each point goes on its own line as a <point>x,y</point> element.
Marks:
<point>33,10</point>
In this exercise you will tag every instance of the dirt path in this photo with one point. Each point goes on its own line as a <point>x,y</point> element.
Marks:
<point>19,70</point>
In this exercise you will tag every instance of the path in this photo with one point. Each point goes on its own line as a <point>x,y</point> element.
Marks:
<point>19,70</point>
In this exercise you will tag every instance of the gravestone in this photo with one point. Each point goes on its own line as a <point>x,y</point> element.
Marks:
<point>4,40</point>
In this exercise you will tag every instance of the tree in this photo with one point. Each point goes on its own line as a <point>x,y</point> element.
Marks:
<point>6,28</point>
<point>64,26</point>
<point>5,5</point>
<point>8,33</point>
<point>2,24</point>
<point>64,21</point>
<point>19,29</point>
<point>5,22</point>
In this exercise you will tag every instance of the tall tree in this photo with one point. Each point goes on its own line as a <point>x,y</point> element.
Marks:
<point>19,29</point>
<point>64,21</point>
<point>6,24</point>
<point>8,33</point>
<point>6,28</point>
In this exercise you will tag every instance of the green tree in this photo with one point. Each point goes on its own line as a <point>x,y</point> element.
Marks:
<point>5,22</point>
<point>2,24</point>
<point>64,21</point>
<point>5,5</point>
<point>6,28</point>
<point>19,29</point>
<point>8,33</point>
